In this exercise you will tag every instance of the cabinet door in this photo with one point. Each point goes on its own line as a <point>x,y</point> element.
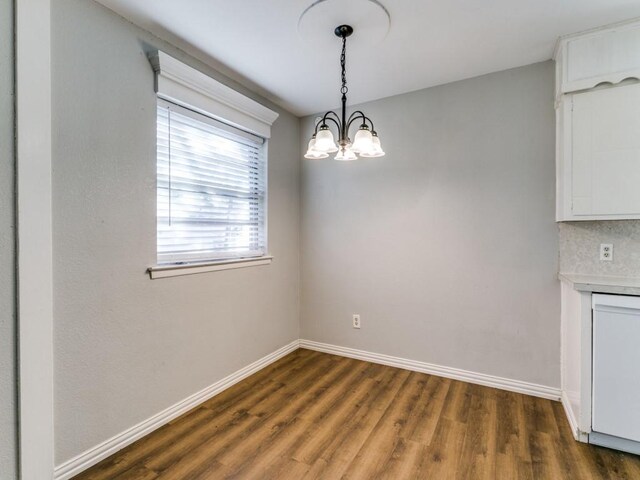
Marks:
<point>606,152</point>
<point>609,55</point>
<point>616,371</point>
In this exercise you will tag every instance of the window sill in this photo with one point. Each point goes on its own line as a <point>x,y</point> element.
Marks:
<point>165,271</point>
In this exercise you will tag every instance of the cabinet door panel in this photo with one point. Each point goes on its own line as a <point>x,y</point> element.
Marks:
<point>618,173</point>
<point>601,57</point>
<point>616,373</point>
<point>606,151</point>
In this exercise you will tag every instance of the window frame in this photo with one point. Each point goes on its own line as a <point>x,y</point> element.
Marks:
<point>186,87</point>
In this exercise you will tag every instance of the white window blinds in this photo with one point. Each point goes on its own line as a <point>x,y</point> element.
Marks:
<point>211,188</point>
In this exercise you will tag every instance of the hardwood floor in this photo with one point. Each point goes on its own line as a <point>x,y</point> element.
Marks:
<point>317,416</point>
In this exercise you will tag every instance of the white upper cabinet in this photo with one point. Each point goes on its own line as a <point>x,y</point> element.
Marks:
<point>604,55</point>
<point>598,124</point>
<point>606,152</point>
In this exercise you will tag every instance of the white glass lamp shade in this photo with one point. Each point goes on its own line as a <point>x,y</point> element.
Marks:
<point>346,154</point>
<point>376,148</point>
<point>312,153</point>
<point>324,141</point>
<point>363,141</point>
<point>315,155</point>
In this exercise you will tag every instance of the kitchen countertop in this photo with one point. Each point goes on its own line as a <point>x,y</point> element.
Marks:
<point>602,283</point>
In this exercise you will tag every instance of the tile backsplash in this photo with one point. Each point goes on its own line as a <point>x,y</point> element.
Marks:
<point>580,247</point>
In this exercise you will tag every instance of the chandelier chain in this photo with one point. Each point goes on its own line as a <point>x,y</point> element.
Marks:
<point>343,62</point>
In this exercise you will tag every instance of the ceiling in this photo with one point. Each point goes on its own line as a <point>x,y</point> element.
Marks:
<point>430,42</point>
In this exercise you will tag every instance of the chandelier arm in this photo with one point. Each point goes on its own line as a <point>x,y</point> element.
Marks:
<point>359,113</point>
<point>323,119</point>
<point>330,112</point>
<point>334,121</point>
<point>364,118</point>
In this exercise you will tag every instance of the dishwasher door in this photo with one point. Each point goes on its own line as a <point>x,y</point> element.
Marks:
<point>616,367</point>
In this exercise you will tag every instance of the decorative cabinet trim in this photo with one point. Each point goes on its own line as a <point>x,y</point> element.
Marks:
<point>609,54</point>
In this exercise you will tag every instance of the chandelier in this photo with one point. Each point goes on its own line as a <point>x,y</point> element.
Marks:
<point>365,142</point>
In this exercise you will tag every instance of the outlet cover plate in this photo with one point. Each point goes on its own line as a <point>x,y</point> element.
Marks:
<point>606,252</point>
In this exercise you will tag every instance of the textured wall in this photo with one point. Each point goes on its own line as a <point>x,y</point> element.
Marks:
<point>447,246</point>
<point>127,347</point>
<point>8,439</point>
<point>580,247</point>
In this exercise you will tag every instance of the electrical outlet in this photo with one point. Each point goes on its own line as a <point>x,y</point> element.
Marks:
<point>356,320</point>
<point>606,252</point>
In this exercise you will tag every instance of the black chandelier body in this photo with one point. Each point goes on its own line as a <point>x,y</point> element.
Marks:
<point>365,143</point>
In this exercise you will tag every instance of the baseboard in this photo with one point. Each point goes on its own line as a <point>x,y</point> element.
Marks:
<point>92,456</point>
<point>447,372</point>
<point>573,423</point>
<point>569,413</point>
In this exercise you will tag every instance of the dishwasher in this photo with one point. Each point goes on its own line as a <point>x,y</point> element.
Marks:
<point>616,372</point>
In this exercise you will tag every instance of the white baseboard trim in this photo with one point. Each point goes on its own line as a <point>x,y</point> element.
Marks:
<point>92,456</point>
<point>573,423</point>
<point>569,413</point>
<point>438,370</point>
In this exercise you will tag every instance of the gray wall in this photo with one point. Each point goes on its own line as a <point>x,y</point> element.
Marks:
<point>127,347</point>
<point>8,418</point>
<point>580,247</point>
<point>447,247</point>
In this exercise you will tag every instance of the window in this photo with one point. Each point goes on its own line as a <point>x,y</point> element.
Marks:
<point>212,175</point>
<point>211,188</point>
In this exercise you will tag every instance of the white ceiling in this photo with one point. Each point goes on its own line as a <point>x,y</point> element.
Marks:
<point>429,42</point>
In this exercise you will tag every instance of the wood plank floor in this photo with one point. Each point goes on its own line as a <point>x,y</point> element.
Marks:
<point>317,416</point>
